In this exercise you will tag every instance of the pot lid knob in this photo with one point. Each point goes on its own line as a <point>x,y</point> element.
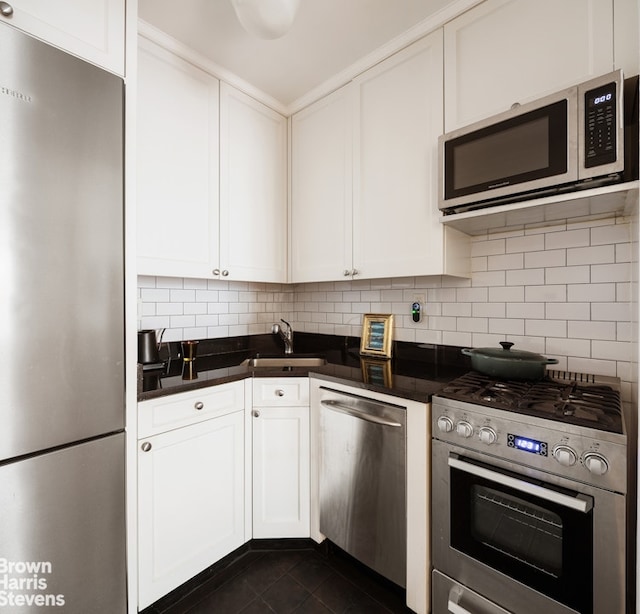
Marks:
<point>506,345</point>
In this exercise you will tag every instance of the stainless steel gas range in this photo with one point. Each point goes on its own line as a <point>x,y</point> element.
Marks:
<point>528,496</point>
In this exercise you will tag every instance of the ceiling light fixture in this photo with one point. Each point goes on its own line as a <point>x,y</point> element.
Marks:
<point>266,19</point>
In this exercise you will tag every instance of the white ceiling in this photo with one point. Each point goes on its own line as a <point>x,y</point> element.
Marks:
<point>327,37</point>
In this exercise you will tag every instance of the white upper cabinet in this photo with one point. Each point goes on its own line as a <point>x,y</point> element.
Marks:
<point>253,189</point>
<point>364,176</point>
<point>91,29</point>
<point>507,51</point>
<point>177,169</point>
<point>398,118</point>
<point>321,169</point>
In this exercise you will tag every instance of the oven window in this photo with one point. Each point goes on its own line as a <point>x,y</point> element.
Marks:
<point>542,544</point>
<point>518,529</point>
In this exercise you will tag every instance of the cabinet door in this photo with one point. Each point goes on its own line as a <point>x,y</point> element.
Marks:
<point>190,502</point>
<point>177,166</point>
<point>253,189</point>
<point>398,107</point>
<point>321,170</point>
<point>507,51</point>
<point>280,472</point>
<point>91,29</point>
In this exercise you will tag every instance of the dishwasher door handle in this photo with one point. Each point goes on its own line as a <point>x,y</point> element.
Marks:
<point>357,413</point>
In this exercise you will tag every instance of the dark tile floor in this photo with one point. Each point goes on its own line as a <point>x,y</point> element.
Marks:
<point>284,578</point>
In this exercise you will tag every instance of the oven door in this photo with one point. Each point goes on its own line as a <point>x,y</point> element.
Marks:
<point>525,543</point>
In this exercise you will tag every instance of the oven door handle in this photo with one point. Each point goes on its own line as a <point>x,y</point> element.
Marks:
<point>456,608</point>
<point>579,503</point>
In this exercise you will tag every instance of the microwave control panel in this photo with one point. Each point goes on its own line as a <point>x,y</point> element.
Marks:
<point>600,125</point>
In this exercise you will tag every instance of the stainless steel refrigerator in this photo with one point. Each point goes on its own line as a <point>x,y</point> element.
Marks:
<point>62,510</point>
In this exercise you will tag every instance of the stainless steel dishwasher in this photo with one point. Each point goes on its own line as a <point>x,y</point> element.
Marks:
<point>363,480</point>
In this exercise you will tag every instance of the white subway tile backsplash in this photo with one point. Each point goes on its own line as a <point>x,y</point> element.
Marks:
<point>563,291</point>
<point>526,277</point>
<point>545,328</point>
<point>182,296</point>
<point>525,243</point>
<point>611,233</point>
<point>591,292</point>
<point>616,312</point>
<point>567,275</point>
<point>568,347</point>
<point>455,309</point>
<point>488,310</point>
<point>506,294</point>
<point>505,262</point>
<point>552,257</point>
<point>488,247</point>
<point>506,326</point>
<point>487,279</point>
<point>568,311</point>
<point>567,239</point>
<point>546,294</point>
<point>600,254</point>
<point>611,272</point>
<point>534,311</point>
<point>591,330</point>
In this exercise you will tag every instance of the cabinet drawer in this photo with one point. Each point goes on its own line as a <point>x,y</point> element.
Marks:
<point>159,415</point>
<point>283,392</point>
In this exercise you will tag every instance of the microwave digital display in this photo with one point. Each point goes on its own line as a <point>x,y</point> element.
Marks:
<point>600,126</point>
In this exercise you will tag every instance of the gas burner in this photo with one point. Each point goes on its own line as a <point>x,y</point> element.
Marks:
<point>576,399</point>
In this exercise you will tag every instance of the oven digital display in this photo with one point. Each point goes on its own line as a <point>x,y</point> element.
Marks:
<point>527,444</point>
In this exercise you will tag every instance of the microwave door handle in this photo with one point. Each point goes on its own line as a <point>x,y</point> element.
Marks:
<point>579,503</point>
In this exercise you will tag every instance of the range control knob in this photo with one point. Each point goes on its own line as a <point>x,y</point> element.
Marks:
<point>596,463</point>
<point>445,424</point>
<point>565,455</point>
<point>488,435</point>
<point>464,429</point>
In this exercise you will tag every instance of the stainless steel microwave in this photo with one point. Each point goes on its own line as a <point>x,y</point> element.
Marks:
<point>570,140</point>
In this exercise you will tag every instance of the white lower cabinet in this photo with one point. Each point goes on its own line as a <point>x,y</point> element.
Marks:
<point>191,490</point>
<point>280,424</point>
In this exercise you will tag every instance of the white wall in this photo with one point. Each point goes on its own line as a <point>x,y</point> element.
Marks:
<point>563,291</point>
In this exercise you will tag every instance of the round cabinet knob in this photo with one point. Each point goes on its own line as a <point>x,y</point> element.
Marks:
<point>198,405</point>
<point>596,463</point>
<point>216,272</point>
<point>347,273</point>
<point>488,435</point>
<point>565,455</point>
<point>6,9</point>
<point>445,424</point>
<point>256,413</point>
<point>464,429</point>
<point>225,273</point>
<point>146,446</point>
<point>355,272</point>
<point>279,392</point>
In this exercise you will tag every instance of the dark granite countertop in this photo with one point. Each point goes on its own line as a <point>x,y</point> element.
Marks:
<point>415,371</point>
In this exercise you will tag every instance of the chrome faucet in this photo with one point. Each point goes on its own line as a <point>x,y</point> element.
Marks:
<point>287,335</point>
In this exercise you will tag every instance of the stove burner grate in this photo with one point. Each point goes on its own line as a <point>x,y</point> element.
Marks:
<point>574,401</point>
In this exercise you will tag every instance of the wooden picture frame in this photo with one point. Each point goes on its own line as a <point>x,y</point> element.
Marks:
<point>376,335</point>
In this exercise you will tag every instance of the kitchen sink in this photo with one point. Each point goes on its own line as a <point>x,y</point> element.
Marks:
<point>285,361</point>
